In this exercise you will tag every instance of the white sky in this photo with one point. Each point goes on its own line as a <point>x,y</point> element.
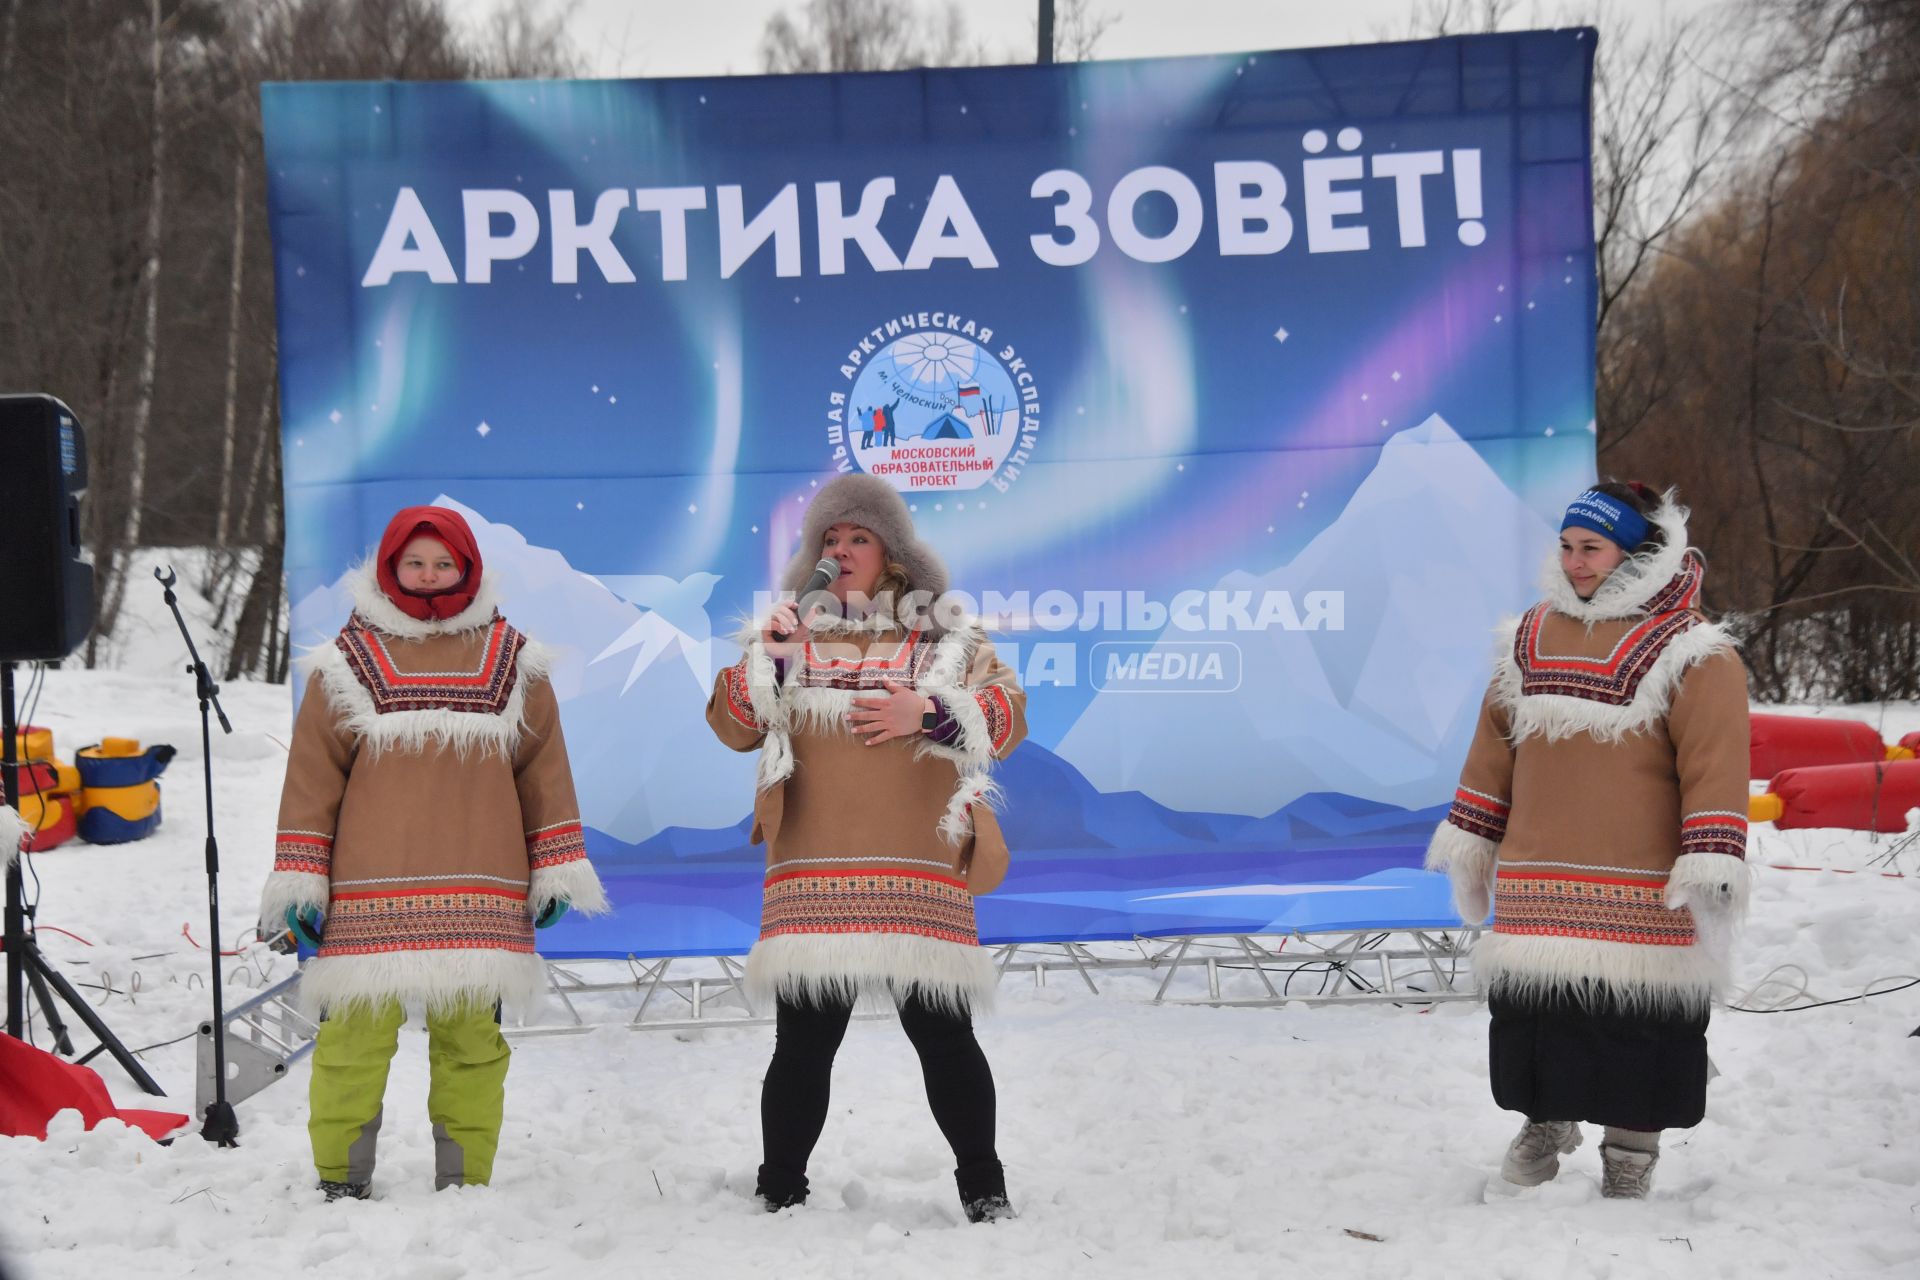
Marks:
<point>720,37</point>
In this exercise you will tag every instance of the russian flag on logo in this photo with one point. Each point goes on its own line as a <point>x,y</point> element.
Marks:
<point>969,389</point>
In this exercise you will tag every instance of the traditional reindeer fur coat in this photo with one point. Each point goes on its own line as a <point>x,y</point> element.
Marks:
<point>873,852</point>
<point>1603,806</point>
<point>428,809</point>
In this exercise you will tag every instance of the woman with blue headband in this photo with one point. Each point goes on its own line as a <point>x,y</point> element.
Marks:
<point>1602,817</point>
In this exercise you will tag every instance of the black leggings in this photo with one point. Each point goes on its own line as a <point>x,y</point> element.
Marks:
<point>794,1098</point>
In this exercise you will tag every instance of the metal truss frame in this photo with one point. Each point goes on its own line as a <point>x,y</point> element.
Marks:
<point>263,1037</point>
<point>681,993</point>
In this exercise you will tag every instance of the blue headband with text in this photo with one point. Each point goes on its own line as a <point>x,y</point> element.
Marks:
<point>1607,516</point>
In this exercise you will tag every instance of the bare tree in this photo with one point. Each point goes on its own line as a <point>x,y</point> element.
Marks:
<point>136,280</point>
<point>867,35</point>
<point>1432,18</point>
<point>1788,305</point>
<point>526,41</point>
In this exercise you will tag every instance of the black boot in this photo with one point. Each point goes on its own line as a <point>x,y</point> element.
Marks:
<point>346,1190</point>
<point>983,1191</point>
<point>780,1188</point>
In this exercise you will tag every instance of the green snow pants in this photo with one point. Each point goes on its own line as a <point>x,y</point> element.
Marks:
<point>467,1065</point>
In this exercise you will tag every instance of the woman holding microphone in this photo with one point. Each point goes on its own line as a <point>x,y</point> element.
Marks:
<point>878,719</point>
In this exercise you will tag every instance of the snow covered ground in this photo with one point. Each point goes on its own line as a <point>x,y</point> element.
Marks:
<point>1174,1141</point>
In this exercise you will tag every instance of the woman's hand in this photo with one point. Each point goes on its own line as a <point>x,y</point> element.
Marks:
<point>897,715</point>
<point>785,621</point>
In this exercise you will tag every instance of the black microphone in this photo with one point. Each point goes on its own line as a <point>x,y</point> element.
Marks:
<point>824,575</point>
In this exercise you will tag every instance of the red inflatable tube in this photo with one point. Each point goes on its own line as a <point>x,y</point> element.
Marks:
<point>58,824</point>
<point>1912,742</point>
<point>1861,797</point>
<point>1794,742</point>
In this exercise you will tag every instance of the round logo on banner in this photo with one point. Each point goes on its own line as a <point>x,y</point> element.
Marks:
<point>933,409</point>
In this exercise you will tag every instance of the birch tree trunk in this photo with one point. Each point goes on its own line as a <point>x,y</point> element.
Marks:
<point>236,276</point>
<point>141,417</point>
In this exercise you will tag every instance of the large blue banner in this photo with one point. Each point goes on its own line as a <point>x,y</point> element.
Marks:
<point>1240,394</point>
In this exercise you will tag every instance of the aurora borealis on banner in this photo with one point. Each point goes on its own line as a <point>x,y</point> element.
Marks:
<point>1239,393</point>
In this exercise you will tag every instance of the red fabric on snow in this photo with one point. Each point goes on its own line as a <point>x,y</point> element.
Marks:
<point>450,529</point>
<point>35,1085</point>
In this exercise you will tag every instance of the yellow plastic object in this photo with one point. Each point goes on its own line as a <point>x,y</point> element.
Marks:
<point>1899,753</point>
<point>132,803</point>
<point>116,747</point>
<point>34,744</point>
<point>66,777</point>
<point>34,809</point>
<point>1765,808</point>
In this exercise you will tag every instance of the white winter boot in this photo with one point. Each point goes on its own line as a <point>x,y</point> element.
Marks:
<point>1627,1170</point>
<point>1533,1157</point>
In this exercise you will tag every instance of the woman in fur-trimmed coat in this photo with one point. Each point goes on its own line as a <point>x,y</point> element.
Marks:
<point>1602,814</point>
<point>427,823</point>
<point>877,722</point>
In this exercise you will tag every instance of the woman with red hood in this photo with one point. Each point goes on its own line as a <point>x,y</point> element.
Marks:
<point>427,827</point>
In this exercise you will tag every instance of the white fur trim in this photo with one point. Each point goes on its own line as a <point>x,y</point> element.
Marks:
<point>372,604</point>
<point>574,882</point>
<point>413,731</point>
<point>1469,862</point>
<point>292,889</point>
<point>871,967</point>
<point>14,833</point>
<point>1714,888</point>
<point>945,679</point>
<point>1634,976</point>
<point>1710,881</point>
<point>434,980</point>
<point>1554,716</point>
<point>1636,580</point>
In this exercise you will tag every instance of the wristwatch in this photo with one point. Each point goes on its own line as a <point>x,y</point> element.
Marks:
<point>930,717</point>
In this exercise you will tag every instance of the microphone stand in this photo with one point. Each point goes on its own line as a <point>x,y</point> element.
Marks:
<point>221,1125</point>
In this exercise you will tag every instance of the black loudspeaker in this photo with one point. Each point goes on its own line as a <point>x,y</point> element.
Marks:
<point>46,590</point>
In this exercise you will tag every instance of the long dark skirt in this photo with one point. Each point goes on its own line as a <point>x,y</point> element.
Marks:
<point>1554,1059</point>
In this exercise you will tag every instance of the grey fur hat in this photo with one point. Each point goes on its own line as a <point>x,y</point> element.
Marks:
<point>871,503</point>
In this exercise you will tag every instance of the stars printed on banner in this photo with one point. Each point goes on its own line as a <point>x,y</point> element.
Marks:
<point>483,430</point>
<point>334,417</point>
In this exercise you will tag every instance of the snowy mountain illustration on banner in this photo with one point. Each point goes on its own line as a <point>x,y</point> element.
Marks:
<point>623,669</point>
<point>1427,552</point>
